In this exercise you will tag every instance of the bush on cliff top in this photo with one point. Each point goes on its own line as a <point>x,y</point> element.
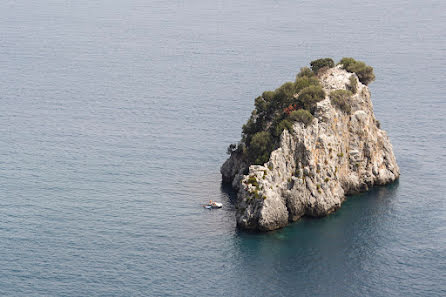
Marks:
<point>292,102</point>
<point>362,70</point>
<point>305,80</point>
<point>318,64</point>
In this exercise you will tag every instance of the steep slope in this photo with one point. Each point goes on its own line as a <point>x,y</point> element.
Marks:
<point>315,166</point>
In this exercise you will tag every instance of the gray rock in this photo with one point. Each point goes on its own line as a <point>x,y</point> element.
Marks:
<point>315,166</point>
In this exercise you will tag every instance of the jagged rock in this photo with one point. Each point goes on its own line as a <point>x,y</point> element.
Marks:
<point>315,166</point>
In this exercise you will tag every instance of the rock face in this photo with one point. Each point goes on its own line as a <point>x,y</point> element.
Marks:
<point>315,166</point>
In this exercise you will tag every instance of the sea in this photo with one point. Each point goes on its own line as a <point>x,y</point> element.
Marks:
<point>115,118</point>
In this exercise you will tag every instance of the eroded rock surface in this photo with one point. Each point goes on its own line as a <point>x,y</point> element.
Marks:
<point>315,166</point>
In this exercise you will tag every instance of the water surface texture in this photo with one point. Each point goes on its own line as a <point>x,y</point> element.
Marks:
<point>115,118</point>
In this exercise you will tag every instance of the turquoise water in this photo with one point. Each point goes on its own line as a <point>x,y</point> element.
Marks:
<point>115,119</point>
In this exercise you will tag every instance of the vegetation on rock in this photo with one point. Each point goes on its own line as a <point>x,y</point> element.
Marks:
<point>276,111</point>
<point>341,99</point>
<point>311,95</point>
<point>293,102</point>
<point>353,84</point>
<point>318,64</point>
<point>301,115</point>
<point>260,147</point>
<point>362,70</point>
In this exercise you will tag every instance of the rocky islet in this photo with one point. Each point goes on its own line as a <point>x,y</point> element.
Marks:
<point>316,165</point>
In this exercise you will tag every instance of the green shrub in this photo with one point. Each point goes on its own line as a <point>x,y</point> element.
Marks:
<point>353,84</point>
<point>277,110</point>
<point>268,95</point>
<point>309,96</point>
<point>249,129</point>
<point>305,81</point>
<point>285,91</point>
<point>260,148</point>
<point>301,115</point>
<point>362,70</point>
<point>260,104</point>
<point>253,181</point>
<point>305,71</point>
<point>341,99</point>
<point>316,65</point>
<point>346,62</point>
<point>284,124</point>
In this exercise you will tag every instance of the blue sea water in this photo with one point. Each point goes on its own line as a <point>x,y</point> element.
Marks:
<point>115,117</point>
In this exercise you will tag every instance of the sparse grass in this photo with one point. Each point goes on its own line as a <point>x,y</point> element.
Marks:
<point>353,84</point>
<point>341,99</point>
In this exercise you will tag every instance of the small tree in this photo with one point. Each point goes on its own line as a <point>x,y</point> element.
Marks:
<point>316,65</point>
<point>260,104</point>
<point>341,99</point>
<point>346,62</point>
<point>284,124</point>
<point>362,70</point>
<point>260,148</point>
<point>305,71</point>
<point>353,84</point>
<point>284,94</point>
<point>305,81</point>
<point>268,95</point>
<point>309,96</point>
<point>301,115</point>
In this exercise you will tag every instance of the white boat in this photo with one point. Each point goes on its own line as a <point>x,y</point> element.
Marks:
<point>213,205</point>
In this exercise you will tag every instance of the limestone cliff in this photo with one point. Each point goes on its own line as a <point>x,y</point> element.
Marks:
<point>316,165</point>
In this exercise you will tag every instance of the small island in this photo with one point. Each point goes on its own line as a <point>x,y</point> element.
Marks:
<point>307,145</point>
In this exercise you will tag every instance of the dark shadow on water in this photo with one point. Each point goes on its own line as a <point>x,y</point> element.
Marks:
<point>229,192</point>
<point>330,248</point>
